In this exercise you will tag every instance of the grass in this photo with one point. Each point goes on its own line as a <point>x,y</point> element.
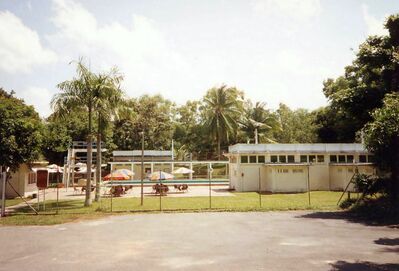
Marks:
<point>72,210</point>
<point>12,202</point>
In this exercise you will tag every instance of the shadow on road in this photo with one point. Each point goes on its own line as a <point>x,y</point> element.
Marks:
<point>387,241</point>
<point>350,217</point>
<point>364,266</point>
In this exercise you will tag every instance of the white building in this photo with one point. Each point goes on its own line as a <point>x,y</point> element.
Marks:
<point>294,167</point>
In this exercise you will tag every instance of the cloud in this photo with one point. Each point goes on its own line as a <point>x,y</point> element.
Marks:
<point>374,26</point>
<point>20,47</point>
<point>294,9</point>
<point>142,52</point>
<point>39,97</point>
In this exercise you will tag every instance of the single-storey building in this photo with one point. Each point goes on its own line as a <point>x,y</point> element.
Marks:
<point>296,167</point>
<point>24,179</point>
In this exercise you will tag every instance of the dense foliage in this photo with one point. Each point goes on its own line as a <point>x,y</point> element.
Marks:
<point>20,131</point>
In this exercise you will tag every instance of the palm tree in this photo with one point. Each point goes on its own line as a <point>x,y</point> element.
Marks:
<point>257,122</point>
<point>109,97</point>
<point>92,93</point>
<point>222,107</point>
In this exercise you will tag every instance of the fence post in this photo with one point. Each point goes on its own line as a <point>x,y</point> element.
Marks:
<point>210,169</point>
<point>3,193</point>
<point>260,190</point>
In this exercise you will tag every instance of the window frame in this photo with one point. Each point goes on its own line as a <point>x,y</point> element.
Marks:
<point>282,156</point>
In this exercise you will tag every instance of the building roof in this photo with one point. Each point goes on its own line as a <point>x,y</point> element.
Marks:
<point>302,148</point>
<point>147,153</point>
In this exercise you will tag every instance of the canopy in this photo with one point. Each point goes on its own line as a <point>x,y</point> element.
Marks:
<point>53,168</point>
<point>160,175</point>
<point>183,170</point>
<point>120,174</point>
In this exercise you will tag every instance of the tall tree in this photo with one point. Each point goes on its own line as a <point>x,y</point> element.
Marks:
<point>152,114</point>
<point>109,96</point>
<point>258,123</point>
<point>373,74</point>
<point>222,107</point>
<point>79,94</point>
<point>382,138</point>
<point>297,126</point>
<point>20,131</point>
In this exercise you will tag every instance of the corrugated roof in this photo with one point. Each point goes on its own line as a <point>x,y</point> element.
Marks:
<point>301,148</point>
<point>146,153</point>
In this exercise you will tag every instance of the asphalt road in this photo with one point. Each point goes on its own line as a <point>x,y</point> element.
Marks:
<point>202,241</point>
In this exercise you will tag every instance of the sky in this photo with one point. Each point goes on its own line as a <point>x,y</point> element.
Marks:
<point>276,51</point>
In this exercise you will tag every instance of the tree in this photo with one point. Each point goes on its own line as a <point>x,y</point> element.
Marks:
<point>258,123</point>
<point>222,107</point>
<point>373,74</point>
<point>108,96</point>
<point>191,137</point>
<point>79,94</point>
<point>20,131</point>
<point>59,134</point>
<point>297,126</point>
<point>382,139</point>
<point>151,114</point>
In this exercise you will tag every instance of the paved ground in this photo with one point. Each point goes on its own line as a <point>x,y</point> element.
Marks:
<point>202,241</point>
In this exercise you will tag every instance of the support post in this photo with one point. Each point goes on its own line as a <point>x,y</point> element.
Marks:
<point>3,193</point>
<point>309,184</point>
<point>210,189</point>
<point>142,169</point>
<point>191,172</point>
<point>260,190</point>
<point>160,191</point>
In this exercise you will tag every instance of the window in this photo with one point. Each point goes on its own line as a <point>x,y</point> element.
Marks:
<point>291,159</point>
<point>282,159</point>
<point>261,159</point>
<point>312,158</point>
<point>304,158</point>
<point>370,158</point>
<point>320,158</point>
<point>333,158</point>
<point>282,170</point>
<point>244,159</point>
<point>349,158</point>
<point>297,170</point>
<point>31,177</point>
<point>273,158</point>
<point>252,159</point>
<point>341,158</point>
<point>362,159</point>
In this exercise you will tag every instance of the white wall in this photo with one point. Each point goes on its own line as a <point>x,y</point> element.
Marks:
<point>319,176</point>
<point>290,181</point>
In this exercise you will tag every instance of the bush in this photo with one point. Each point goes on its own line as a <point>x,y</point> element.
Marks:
<point>345,204</point>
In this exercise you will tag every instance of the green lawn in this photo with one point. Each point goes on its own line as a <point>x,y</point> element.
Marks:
<point>11,202</point>
<point>72,210</point>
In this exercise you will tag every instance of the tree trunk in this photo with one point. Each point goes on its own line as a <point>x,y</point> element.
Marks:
<point>89,161</point>
<point>99,160</point>
<point>218,138</point>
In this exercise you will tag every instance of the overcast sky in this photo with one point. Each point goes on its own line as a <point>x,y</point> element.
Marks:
<point>275,50</point>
